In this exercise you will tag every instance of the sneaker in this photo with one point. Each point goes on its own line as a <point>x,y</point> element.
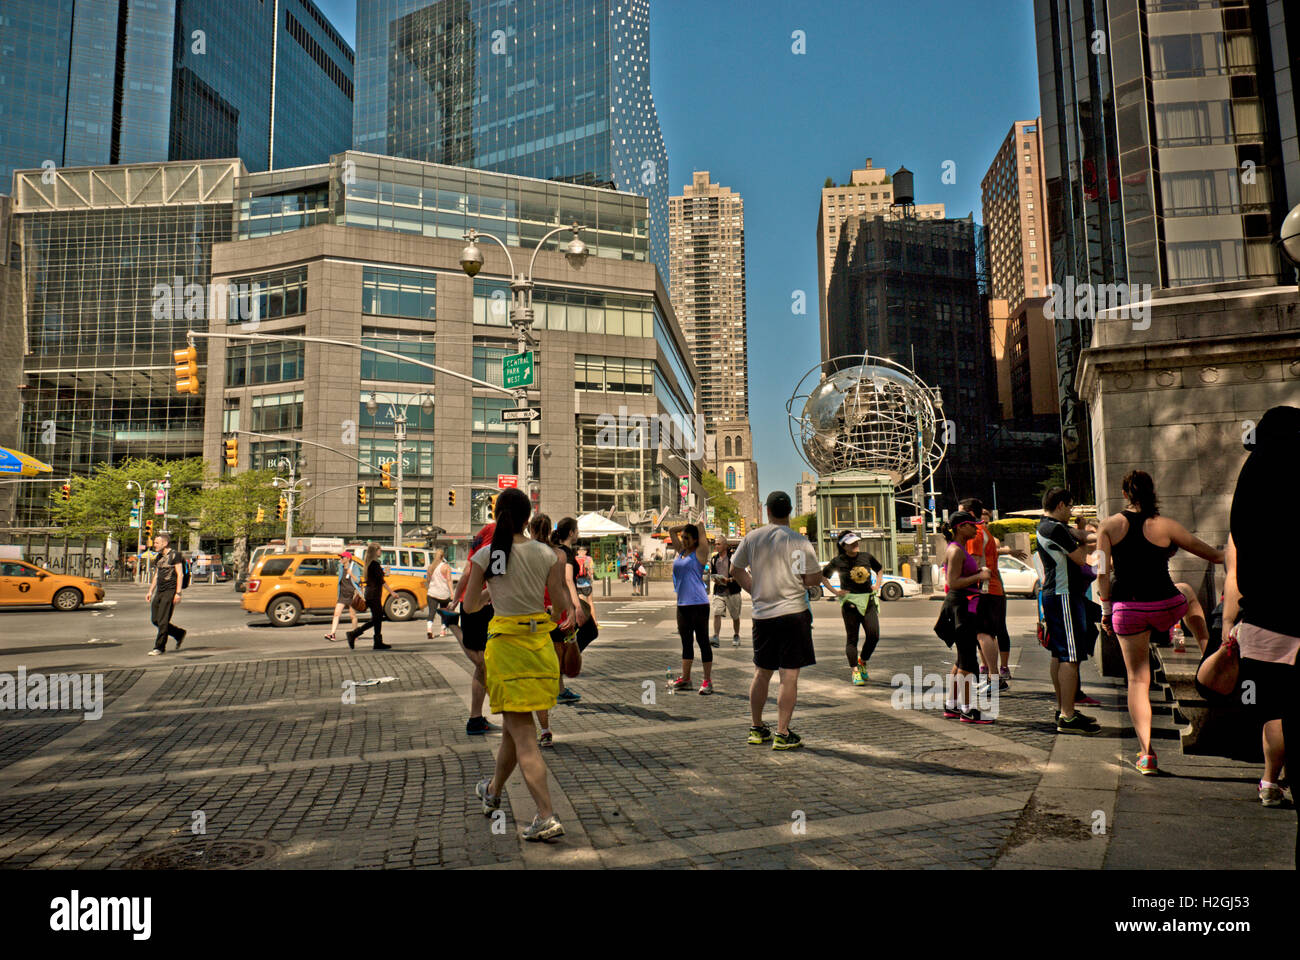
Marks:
<point>491,803</point>
<point>548,829</point>
<point>155,652</point>
<point>181,639</point>
<point>715,641</point>
<point>478,725</point>
<point>1003,684</point>
<point>1146,764</point>
<point>545,739</point>
<point>1271,796</point>
<point>1078,713</point>
<point>862,669</point>
<point>735,641</point>
<point>787,741</point>
<point>1086,701</point>
<point>760,735</point>
<point>681,683</point>
<point>568,696</point>
<point>974,716</point>
<point>706,688</point>
<point>951,713</point>
<point>857,678</point>
<point>1077,724</point>
<point>1005,673</point>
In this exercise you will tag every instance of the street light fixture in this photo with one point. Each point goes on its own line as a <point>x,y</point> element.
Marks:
<point>397,411</point>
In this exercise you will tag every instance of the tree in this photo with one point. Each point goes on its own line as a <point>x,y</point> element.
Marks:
<point>807,521</point>
<point>100,505</point>
<point>1055,478</point>
<point>829,183</point>
<point>725,508</point>
<point>230,510</point>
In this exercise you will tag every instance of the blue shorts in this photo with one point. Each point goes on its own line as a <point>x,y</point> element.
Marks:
<point>1069,638</point>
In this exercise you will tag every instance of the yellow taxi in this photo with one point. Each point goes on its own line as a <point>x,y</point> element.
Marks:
<point>284,586</point>
<point>24,583</point>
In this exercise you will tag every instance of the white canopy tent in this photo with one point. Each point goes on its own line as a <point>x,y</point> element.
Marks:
<point>594,525</point>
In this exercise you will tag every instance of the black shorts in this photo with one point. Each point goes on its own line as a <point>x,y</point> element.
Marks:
<point>991,614</point>
<point>1273,683</point>
<point>784,643</point>
<point>474,628</point>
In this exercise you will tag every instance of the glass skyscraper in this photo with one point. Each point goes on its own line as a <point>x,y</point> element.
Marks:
<point>553,89</point>
<point>90,82</point>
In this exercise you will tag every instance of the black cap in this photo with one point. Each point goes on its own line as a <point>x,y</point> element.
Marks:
<point>778,502</point>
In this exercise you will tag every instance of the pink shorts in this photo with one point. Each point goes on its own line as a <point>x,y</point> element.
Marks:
<point>1129,617</point>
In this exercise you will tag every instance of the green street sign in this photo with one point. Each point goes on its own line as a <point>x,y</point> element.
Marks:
<point>517,370</point>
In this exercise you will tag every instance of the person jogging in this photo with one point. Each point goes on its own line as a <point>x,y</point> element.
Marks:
<point>437,587</point>
<point>776,566</point>
<point>1065,622</point>
<point>726,593</point>
<point>992,616</point>
<point>859,602</point>
<point>347,590</point>
<point>522,671</point>
<point>963,575</point>
<point>164,593</point>
<point>692,603</point>
<point>376,587</point>
<point>1137,595</point>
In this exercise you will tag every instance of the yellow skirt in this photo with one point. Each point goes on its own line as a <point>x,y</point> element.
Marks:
<point>523,674</point>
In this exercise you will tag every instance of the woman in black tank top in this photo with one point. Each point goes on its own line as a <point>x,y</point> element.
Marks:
<point>1138,597</point>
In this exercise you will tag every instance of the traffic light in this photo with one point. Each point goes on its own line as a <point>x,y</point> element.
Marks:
<point>362,496</point>
<point>261,516</point>
<point>67,492</point>
<point>742,526</point>
<point>148,528</point>
<point>451,498</point>
<point>281,509</point>
<point>387,481</point>
<point>187,370</point>
<point>232,452</point>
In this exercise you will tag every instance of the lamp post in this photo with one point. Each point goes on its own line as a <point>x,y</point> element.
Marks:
<point>139,527</point>
<point>545,450</point>
<point>521,310</point>
<point>292,487</point>
<point>397,410</point>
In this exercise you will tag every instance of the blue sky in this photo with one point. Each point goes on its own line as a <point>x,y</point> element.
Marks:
<point>915,83</point>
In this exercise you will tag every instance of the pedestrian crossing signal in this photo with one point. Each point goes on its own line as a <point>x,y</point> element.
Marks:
<point>67,492</point>
<point>232,452</point>
<point>362,496</point>
<point>451,498</point>
<point>187,370</point>
<point>282,509</point>
<point>261,516</point>
<point>387,476</point>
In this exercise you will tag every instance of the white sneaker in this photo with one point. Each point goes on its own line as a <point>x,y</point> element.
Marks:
<point>548,829</point>
<point>155,652</point>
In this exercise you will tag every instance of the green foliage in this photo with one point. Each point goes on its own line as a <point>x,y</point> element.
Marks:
<point>1055,478</point>
<point>1000,529</point>
<point>725,508</point>
<point>100,505</point>
<point>830,183</point>
<point>230,508</point>
<point>807,521</point>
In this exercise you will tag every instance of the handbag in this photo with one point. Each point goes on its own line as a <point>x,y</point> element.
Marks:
<point>358,602</point>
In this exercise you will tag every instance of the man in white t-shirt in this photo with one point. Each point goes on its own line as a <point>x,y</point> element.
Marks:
<point>776,566</point>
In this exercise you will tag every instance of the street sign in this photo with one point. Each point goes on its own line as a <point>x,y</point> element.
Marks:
<point>519,414</point>
<point>915,521</point>
<point>932,504</point>
<point>160,502</point>
<point>507,480</point>
<point>517,370</point>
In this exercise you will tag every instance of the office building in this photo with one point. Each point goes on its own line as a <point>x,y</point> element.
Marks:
<point>805,500</point>
<point>93,82</point>
<point>707,263</point>
<point>551,89</point>
<point>869,192</point>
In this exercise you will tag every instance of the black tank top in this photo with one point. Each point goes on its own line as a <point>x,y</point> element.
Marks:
<point>1141,569</point>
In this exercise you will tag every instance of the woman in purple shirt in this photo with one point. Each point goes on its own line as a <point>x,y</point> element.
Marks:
<point>692,603</point>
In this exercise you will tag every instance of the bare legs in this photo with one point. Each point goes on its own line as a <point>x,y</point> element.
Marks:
<point>338,612</point>
<point>785,700</point>
<point>1274,751</point>
<point>1137,661</point>
<point>478,685</point>
<point>518,747</point>
<point>1065,680</point>
<point>1195,617</point>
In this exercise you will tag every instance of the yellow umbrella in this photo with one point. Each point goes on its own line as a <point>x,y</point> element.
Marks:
<point>18,464</point>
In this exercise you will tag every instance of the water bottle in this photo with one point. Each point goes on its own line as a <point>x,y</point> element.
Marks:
<point>984,584</point>
<point>668,679</point>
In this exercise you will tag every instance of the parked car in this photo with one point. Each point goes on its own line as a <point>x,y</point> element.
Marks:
<point>891,587</point>
<point>284,586</point>
<point>1018,577</point>
<point>203,567</point>
<point>23,583</point>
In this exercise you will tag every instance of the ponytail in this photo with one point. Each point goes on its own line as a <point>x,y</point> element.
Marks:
<point>540,528</point>
<point>1141,491</point>
<point>512,510</point>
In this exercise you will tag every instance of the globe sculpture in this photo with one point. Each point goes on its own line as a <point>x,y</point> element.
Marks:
<point>871,414</point>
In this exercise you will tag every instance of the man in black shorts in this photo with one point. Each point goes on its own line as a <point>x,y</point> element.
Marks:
<point>776,566</point>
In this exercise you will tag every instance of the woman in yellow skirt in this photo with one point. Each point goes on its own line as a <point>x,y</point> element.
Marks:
<point>522,670</point>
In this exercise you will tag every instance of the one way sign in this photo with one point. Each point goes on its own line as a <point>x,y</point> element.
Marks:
<point>520,414</point>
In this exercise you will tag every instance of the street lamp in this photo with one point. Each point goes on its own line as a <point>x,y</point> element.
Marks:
<point>292,487</point>
<point>139,527</point>
<point>397,411</point>
<point>521,310</point>
<point>1289,236</point>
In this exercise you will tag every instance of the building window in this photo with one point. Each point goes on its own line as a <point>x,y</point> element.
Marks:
<point>740,446</point>
<point>277,411</point>
<point>728,446</point>
<point>731,478</point>
<point>398,293</point>
<point>376,366</point>
<point>613,374</point>
<point>250,364</point>
<point>279,294</point>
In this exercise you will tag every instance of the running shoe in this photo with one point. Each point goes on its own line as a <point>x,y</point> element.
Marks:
<point>974,716</point>
<point>1078,713</point>
<point>1005,673</point>
<point>331,637</point>
<point>155,652</point>
<point>545,739</point>
<point>181,639</point>
<point>706,688</point>
<point>1271,796</point>
<point>1146,764</point>
<point>1087,701</point>
<point>857,678</point>
<point>1003,684</point>
<point>760,735</point>
<point>681,683</point>
<point>787,741</point>
<point>1077,724</point>
<point>715,641</point>
<point>951,713</point>
<point>862,669</point>
<point>735,641</point>
<point>478,725</point>
<point>568,696</point>
<point>491,803</point>
<point>548,829</point>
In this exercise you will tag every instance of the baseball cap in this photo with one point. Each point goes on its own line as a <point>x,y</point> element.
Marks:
<point>778,501</point>
<point>848,539</point>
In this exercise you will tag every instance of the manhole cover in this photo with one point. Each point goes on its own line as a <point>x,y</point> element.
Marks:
<point>204,855</point>
<point>973,758</point>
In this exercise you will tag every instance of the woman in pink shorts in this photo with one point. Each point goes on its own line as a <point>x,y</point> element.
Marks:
<point>1137,595</point>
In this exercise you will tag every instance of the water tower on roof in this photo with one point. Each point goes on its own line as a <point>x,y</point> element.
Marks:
<point>904,195</point>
